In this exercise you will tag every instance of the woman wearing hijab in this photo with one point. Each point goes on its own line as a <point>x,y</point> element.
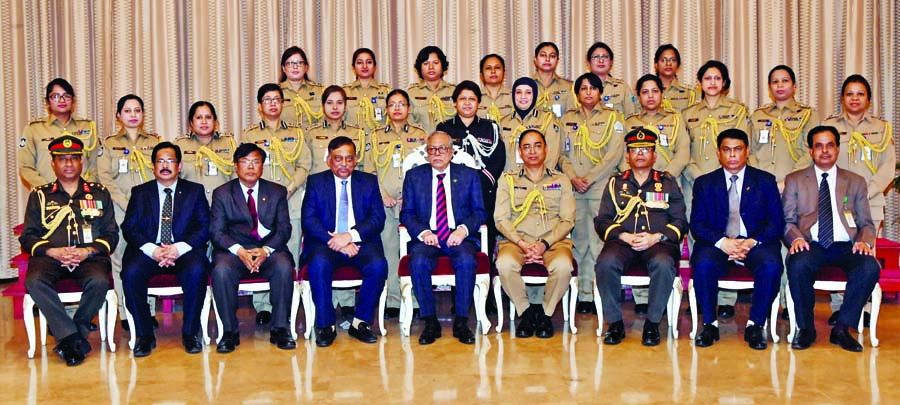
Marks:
<point>525,116</point>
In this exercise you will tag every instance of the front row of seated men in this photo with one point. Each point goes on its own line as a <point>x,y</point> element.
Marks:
<point>738,217</point>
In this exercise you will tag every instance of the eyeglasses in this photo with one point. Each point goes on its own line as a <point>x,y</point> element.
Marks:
<point>601,58</point>
<point>295,63</point>
<point>166,161</point>
<point>637,151</point>
<point>667,61</point>
<point>397,105</point>
<point>63,96</point>
<point>438,150</point>
<point>269,100</point>
<point>249,162</point>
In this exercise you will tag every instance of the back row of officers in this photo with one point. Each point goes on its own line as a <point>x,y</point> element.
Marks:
<point>539,193</point>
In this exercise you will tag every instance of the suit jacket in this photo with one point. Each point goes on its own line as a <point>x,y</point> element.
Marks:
<point>190,220</point>
<point>320,206</point>
<point>466,202</point>
<point>801,205</point>
<point>231,222</point>
<point>760,208</point>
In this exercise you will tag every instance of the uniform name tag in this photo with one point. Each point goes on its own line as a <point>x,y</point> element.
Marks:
<point>211,168</point>
<point>86,235</point>
<point>379,114</point>
<point>557,110</point>
<point>663,140</point>
<point>763,136</point>
<point>123,165</point>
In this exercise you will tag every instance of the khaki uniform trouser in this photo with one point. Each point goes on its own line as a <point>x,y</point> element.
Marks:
<point>558,261</point>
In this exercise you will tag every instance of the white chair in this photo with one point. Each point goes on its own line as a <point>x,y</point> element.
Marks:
<point>834,279</point>
<point>637,276</point>
<point>737,277</point>
<point>344,278</point>
<point>166,285</point>
<point>443,275</point>
<point>70,292</point>
<point>251,283</point>
<point>536,274</point>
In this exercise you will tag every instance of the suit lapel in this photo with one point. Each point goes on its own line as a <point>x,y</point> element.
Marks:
<point>330,198</point>
<point>356,195</point>
<point>155,210</point>
<point>240,202</point>
<point>842,183</point>
<point>749,186</point>
<point>720,188</point>
<point>454,191</point>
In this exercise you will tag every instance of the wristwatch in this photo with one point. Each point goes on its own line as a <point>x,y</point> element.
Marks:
<point>268,250</point>
<point>663,238</point>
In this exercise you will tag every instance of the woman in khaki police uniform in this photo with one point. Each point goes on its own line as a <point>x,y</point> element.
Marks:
<point>526,116</point>
<point>431,96</point>
<point>676,96</point>
<point>366,96</point>
<point>301,95</point>
<point>207,153</point>
<point>496,100</point>
<point>616,92</point>
<point>390,145</point>
<point>556,93</point>
<point>125,163</point>
<point>34,165</point>
<point>593,146</point>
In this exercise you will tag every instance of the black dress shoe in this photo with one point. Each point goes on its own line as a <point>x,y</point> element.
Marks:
<point>525,329</point>
<point>71,352</point>
<point>390,313</point>
<point>125,326</point>
<point>263,317</point>
<point>431,332</point>
<point>462,332</point>
<point>833,318</point>
<point>755,336</point>
<point>726,311</point>
<point>229,341</point>
<point>544,327</point>
<point>144,346</point>
<point>841,336</point>
<point>804,339</point>
<point>92,327</point>
<point>708,336</point>
<point>615,333</point>
<point>785,314</point>
<point>283,339</point>
<point>191,343</point>
<point>650,337</point>
<point>584,307</point>
<point>325,336</point>
<point>641,309</point>
<point>363,333</point>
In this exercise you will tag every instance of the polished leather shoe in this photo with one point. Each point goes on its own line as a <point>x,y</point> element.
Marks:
<point>841,336</point>
<point>544,328</point>
<point>230,340</point>
<point>125,326</point>
<point>804,339</point>
<point>191,343</point>
<point>390,313</point>
<point>584,307</point>
<point>650,337</point>
<point>144,346</point>
<point>726,311</point>
<point>615,333</point>
<point>263,317</point>
<point>462,332</point>
<point>525,329</point>
<point>834,317</point>
<point>755,336</point>
<point>283,339</point>
<point>641,309</point>
<point>363,333</point>
<point>708,336</point>
<point>431,332</point>
<point>92,327</point>
<point>325,336</point>
<point>785,314</point>
<point>71,352</point>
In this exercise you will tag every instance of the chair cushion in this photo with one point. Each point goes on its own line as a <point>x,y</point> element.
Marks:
<point>69,285</point>
<point>831,273</point>
<point>737,273</point>
<point>636,271</point>
<point>444,267</point>
<point>164,281</point>
<point>341,274</point>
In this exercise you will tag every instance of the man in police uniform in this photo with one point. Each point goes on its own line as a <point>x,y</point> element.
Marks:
<point>642,218</point>
<point>70,229</point>
<point>535,212</point>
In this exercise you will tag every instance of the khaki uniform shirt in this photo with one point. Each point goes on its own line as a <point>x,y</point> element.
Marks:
<point>557,98</point>
<point>549,217</point>
<point>778,138</point>
<point>288,158</point>
<point>513,126</point>
<point>593,146</point>
<point>34,159</point>
<point>673,146</point>
<point>867,149</point>
<point>126,164</point>
<point>302,107</point>
<point>495,108</point>
<point>390,145</point>
<point>430,108</point>
<point>629,207</point>
<point>317,139</point>
<point>208,164</point>
<point>367,107</point>
<point>704,124</point>
<point>678,97</point>
<point>617,95</point>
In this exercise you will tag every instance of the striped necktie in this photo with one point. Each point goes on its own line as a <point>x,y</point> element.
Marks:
<point>440,218</point>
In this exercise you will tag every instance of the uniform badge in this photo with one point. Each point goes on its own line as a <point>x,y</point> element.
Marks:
<point>552,186</point>
<point>88,197</point>
<point>368,146</point>
<point>67,143</point>
<point>625,187</point>
<point>100,152</point>
<point>658,187</point>
<point>22,142</point>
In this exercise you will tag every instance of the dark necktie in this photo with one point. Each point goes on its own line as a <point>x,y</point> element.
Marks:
<point>440,215</point>
<point>826,221</point>
<point>251,203</point>
<point>733,229</point>
<point>165,236</point>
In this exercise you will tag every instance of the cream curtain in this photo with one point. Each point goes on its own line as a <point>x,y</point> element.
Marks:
<point>174,52</point>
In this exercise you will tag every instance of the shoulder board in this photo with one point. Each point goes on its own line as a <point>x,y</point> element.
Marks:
<point>154,134</point>
<point>293,125</point>
<point>413,85</point>
<point>36,120</point>
<point>801,105</point>
<point>635,115</point>
<point>226,135</point>
<point>317,126</point>
<point>251,127</point>
<point>833,117</point>
<point>764,106</point>
<point>665,174</point>
<point>615,80</point>
<point>313,83</point>
<point>182,136</point>
<point>50,184</point>
<point>416,126</point>
<point>82,119</point>
<point>97,186</point>
<point>555,172</point>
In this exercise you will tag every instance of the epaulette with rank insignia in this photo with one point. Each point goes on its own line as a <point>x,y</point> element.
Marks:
<point>833,116</point>
<point>97,186</point>
<point>317,126</point>
<point>632,115</point>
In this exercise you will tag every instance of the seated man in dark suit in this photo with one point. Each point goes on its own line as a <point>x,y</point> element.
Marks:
<point>166,228</point>
<point>737,216</point>
<point>438,198</point>
<point>250,226</point>
<point>826,209</point>
<point>342,219</point>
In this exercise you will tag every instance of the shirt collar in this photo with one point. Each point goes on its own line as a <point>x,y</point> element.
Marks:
<point>160,187</point>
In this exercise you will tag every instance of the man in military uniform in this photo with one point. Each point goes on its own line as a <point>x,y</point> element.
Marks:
<point>70,229</point>
<point>34,166</point>
<point>556,93</point>
<point>535,212</point>
<point>641,219</point>
<point>288,163</point>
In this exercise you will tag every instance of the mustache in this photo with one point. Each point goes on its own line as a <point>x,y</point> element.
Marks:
<point>165,171</point>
